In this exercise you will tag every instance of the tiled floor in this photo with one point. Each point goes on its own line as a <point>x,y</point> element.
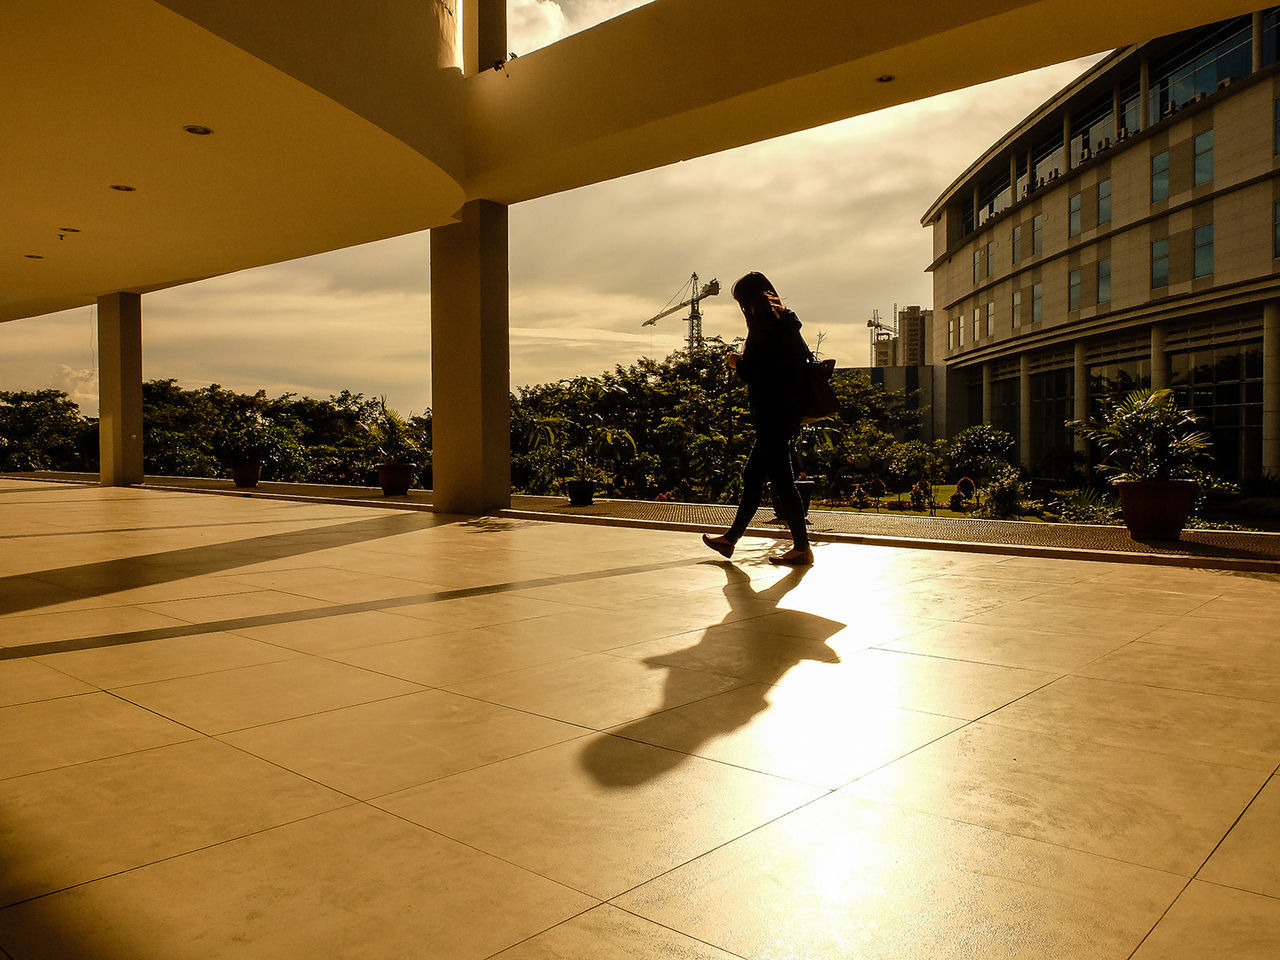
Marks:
<point>251,728</point>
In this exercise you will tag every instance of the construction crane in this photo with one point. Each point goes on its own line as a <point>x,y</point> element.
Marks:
<point>881,331</point>
<point>694,319</point>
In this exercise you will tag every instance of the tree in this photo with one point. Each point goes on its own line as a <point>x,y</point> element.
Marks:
<point>43,430</point>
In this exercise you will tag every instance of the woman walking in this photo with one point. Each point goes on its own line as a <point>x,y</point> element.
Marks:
<point>774,365</point>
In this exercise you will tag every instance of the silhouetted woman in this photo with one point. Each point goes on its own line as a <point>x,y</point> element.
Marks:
<point>774,365</point>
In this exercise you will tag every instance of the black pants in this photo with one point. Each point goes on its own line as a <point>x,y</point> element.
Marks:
<point>770,460</point>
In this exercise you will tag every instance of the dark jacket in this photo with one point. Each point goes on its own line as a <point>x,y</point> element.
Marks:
<point>774,365</point>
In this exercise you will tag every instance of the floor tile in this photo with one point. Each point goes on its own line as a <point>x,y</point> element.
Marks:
<point>1034,649</point>
<point>307,889</point>
<point>597,690</point>
<point>1222,671</point>
<point>1195,726</point>
<point>955,688</point>
<point>376,748</point>
<point>1249,857</point>
<point>848,878</point>
<point>611,934</point>
<point>164,659</point>
<point>734,650</point>
<point>230,608</point>
<point>342,631</point>
<point>20,631</point>
<point>1072,618</point>
<point>1213,921</point>
<point>590,631</point>
<point>76,824</point>
<point>55,733</point>
<point>23,681</point>
<point>267,693</point>
<point>1148,809</point>
<point>599,814</point>
<point>787,732</point>
<point>461,655</point>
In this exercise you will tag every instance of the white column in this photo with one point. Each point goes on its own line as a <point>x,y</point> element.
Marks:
<point>1271,388</point>
<point>120,389</point>
<point>484,34</point>
<point>1159,359</point>
<point>1144,94</point>
<point>1024,410</point>
<point>470,362</point>
<point>988,397</point>
<point>1080,392</point>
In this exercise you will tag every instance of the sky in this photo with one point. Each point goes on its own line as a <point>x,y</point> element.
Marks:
<point>831,215</point>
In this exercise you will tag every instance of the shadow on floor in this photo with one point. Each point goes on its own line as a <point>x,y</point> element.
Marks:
<point>614,763</point>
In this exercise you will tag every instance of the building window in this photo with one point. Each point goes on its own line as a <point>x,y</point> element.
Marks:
<point>1017,242</point>
<point>1073,290</point>
<point>1016,306</point>
<point>1203,251</point>
<point>1104,280</point>
<point>1160,263</point>
<point>1275,251</point>
<point>991,319</point>
<point>1104,201</point>
<point>951,334</point>
<point>977,265</point>
<point>1204,158</point>
<point>977,320</point>
<point>1277,133</point>
<point>1160,177</point>
<point>1073,215</point>
<point>1037,302</point>
<point>1037,233</point>
<point>991,255</point>
<point>960,331</point>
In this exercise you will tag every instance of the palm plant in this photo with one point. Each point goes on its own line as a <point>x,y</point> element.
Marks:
<point>1147,436</point>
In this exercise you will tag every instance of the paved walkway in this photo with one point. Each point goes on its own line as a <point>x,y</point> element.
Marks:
<point>259,728</point>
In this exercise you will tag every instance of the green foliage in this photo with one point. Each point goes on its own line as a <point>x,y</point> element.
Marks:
<point>43,430</point>
<point>1006,496</point>
<point>393,436</point>
<point>1086,505</point>
<point>980,452</point>
<point>1147,436</point>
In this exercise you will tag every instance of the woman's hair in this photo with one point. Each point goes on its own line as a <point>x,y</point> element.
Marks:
<point>759,300</point>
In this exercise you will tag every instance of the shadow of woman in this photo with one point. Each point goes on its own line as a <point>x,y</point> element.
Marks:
<point>758,658</point>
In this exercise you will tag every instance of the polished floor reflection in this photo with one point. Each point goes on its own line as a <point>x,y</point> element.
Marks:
<point>248,728</point>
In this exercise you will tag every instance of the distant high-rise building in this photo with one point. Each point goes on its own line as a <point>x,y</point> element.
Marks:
<point>913,336</point>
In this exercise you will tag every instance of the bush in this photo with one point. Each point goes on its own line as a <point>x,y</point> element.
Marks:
<point>1007,496</point>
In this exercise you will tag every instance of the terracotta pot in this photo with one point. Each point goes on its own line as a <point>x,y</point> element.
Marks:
<point>1156,509</point>
<point>247,474</point>
<point>581,492</point>
<point>395,478</point>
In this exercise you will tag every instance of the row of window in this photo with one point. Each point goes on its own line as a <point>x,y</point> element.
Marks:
<point>1202,173</point>
<point>1201,266</point>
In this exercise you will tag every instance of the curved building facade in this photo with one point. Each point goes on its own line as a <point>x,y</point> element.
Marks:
<point>1125,234</point>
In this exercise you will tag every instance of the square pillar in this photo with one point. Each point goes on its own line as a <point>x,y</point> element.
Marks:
<point>1271,388</point>
<point>1159,359</point>
<point>471,362</point>
<point>1080,393</point>
<point>120,389</point>
<point>988,397</point>
<point>1024,411</point>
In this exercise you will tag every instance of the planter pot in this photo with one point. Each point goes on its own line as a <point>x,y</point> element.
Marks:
<point>1156,509</point>
<point>581,492</point>
<point>395,478</point>
<point>247,474</point>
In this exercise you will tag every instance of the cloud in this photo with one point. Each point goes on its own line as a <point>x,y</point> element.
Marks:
<point>534,23</point>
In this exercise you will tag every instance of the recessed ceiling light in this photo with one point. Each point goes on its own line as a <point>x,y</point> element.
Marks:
<point>123,188</point>
<point>33,256</point>
<point>197,129</point>
<point>885,78</point>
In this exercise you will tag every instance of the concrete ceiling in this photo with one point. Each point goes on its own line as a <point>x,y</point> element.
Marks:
<point>338,123</point>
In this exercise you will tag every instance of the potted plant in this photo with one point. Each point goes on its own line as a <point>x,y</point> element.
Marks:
<point>1153,450</point>
<point>244,446</point>
<point>580,440</point>
<point>398,452</point>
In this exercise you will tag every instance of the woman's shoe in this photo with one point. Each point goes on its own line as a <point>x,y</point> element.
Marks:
<point>794,558</point>
<point>719,544</point>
